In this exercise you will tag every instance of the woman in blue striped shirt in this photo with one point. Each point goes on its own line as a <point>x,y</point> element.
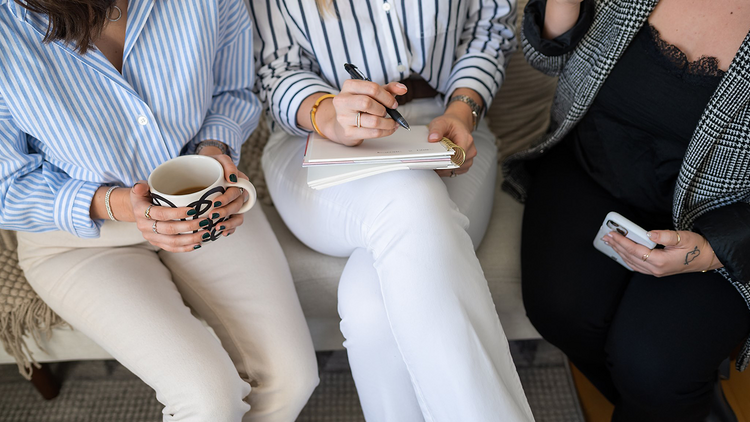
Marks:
<point>94,95</point>
<point>422,333</point>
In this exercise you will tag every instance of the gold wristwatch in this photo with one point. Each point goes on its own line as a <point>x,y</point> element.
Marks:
<point>476,111</point>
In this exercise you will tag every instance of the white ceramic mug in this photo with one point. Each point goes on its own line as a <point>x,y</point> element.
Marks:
<point>194,181</point>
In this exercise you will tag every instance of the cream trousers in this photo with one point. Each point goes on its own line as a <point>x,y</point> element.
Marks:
<point>422,334</point>
<point>128,297</point>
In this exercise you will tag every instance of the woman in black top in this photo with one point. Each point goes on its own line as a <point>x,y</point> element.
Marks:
<point>633,132</point>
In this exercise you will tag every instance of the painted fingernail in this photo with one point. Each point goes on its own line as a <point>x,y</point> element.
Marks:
<point>206,236</point>
<point>215,215</point>
<point>606,243</point>
<point>217,204</point>
<point>222,227</point>
<point>229,234</point>
<point>648,234</point>
<point>610,235</point>
<point>191,212</point>
<point>233,178</point>
<point>204,223</point>
<point>401,86</point>
<point>196,247</point>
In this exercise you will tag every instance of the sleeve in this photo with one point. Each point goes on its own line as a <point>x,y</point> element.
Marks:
<point>550,56</point>
<point>36,196</point>
<point>235,110</point>
<point>727,230</point>
<point>287,73</point>
<point>487,40</point>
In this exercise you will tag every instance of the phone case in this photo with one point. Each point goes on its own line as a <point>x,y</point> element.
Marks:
<point>616,222</point>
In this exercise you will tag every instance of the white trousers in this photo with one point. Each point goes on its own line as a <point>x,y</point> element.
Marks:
<point>422,334</point>
<point>128,297</point>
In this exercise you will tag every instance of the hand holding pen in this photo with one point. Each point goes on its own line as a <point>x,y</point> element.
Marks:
<point>359,112</point>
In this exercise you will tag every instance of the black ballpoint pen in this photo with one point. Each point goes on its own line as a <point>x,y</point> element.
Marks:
<point>395,115</point>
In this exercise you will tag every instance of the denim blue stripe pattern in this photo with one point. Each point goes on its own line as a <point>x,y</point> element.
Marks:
<point>450,43</point>
<point>70,123</point>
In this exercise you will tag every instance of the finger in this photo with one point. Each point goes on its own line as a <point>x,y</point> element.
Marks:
<point>372,121</point>
<point>627,245</point>
<point>665,237</point>
<point>230,170</point>
<point>173,227</point>
<point>221,227</point>
<point>635,263</point>
<point>177,249</point>
<point>438,128</point>
<point>227,197</point>
<point>372,90</point>
<point>173,241</point>
<point>465,167</point>
<point>228,209</point>
<point>396,88</point>
<point>161,213</point>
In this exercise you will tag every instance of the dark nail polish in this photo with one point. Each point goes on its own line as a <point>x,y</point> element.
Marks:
<point>233,178</point>
<point>229,234</point>
<point>222,228</point>
<point>191,212</point>
<point>196,247</point>
<point>204,223</point>
<point>217,204</point>
<point>206,236</point>
<point>215,215</point>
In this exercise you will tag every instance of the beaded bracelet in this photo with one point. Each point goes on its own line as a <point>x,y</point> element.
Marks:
<point>106,203</point>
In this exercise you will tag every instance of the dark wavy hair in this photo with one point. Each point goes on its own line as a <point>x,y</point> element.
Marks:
<point>77,22</point>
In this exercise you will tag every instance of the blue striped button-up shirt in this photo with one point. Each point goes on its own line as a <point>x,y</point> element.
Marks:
<point>70,123</point>
<point>450,43</point>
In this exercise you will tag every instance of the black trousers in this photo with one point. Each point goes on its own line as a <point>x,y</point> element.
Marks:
<point>651,345</point>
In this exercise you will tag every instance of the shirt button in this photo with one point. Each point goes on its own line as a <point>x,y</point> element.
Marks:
<point>386,6</point>
<point>401,68</point>
<point>142,120</point>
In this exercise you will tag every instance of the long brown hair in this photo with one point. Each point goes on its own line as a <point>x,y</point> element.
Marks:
<point>78,22</point>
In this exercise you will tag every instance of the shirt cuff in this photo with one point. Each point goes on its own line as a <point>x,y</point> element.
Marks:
<point>288,95</point>
<point>480,72</point>
<point>727,230</point>
<point>219,128</point>
<point>533,24</point>
<point>73,209</point>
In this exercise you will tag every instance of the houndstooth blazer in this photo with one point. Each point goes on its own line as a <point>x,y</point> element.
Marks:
<point>716,168</point>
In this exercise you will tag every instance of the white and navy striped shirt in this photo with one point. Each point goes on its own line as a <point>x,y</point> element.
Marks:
<point>450,43</point>
<point>70,123</point>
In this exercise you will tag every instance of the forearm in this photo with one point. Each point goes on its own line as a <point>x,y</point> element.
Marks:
<point>462,110</point>
<point>559,17</point>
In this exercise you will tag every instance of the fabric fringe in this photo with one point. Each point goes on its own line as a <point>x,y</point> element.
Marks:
<point>33,317</point>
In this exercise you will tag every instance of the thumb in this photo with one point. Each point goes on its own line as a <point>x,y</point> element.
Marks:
<point>140,188</point>
<point>396,88</point>
<point>438,128</point>
<point>665,237</point>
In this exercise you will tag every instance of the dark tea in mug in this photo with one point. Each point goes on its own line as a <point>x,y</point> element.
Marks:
<point>188,191</point>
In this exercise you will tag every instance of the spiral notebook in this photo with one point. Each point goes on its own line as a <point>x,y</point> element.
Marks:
<point>329,163</point>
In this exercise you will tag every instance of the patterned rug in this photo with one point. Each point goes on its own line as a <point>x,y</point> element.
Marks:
<point>104,391</point>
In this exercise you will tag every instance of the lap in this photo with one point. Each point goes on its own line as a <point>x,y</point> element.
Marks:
<point>319,217</point>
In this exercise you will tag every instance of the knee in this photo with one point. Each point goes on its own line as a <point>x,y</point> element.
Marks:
<point>657,385</point>
<point>287,385</point>
<point>212,397</point>
<point>554,317</point>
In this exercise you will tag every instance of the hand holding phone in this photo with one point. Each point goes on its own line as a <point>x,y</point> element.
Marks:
<point>616,222</point>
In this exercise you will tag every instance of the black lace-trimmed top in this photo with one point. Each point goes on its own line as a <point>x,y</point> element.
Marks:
<point>634,137</point>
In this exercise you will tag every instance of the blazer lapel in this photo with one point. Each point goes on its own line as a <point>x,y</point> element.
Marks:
<point>730,98</point>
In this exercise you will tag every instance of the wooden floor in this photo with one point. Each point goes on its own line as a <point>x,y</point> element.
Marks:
<point>597,409</point>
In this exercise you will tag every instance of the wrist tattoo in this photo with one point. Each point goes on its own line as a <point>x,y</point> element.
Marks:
<point>690,256</point>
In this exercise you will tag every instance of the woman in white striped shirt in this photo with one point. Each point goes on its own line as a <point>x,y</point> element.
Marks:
<point>94,95</point>
<point>422,333</point>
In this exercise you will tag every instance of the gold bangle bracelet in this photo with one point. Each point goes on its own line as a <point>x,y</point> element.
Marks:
<point>314,110</point>
<point>712,258</point>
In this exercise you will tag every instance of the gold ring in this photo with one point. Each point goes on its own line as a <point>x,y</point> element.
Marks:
<point>453,173</point>
<point>153,227</point>
<point>359,119</point>
<point>147,213</point>
<point>678,237</point>
<point>646,255</point>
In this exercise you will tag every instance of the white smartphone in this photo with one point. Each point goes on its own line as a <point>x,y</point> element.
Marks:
<point>616,222</point>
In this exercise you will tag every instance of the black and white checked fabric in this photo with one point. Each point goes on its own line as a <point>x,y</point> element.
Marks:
<point>716,167</point>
